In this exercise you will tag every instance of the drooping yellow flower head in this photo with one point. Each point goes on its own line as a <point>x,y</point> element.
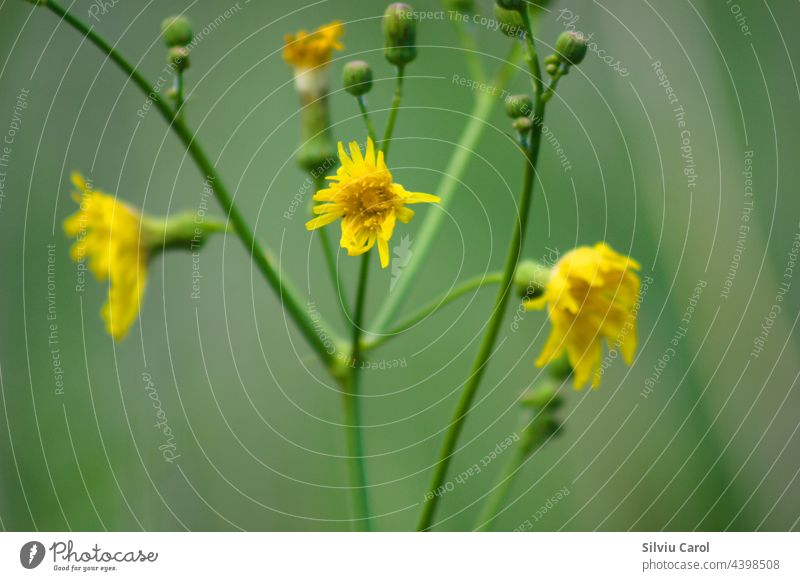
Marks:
<point>592,294</point>
<point>368,202</point>
<point>108,233</point>
<point>307,50</point>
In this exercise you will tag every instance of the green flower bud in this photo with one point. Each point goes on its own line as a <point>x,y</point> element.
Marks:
<point>530,277</point>
<point>510,22</point>
<point>400,34</point>
<point>517,5</point>
<point>357,78</point>
<point>519,106</point>
<point>177,31</point>
<point>571,47</point>
<point>178,57</point>
<point>544,396</point>
<point>522,125</point>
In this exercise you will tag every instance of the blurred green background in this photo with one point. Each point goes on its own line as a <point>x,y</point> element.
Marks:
<point>713,445</point>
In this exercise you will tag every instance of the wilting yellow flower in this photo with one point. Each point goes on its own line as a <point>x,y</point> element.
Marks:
<point>368,202</point>
<point>307,50</point>
<point>592,294</point>
<point>109,234</point>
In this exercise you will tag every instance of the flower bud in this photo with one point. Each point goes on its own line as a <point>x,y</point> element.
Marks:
<point>400,34</point>
<point>571,47</point>
<point>544,396</point>
<point>516,5</point>
<point>519,106</point>
<point>357,78</point>
<point>510,22</point>
<point>177,31</point>
<point>178,57</point>
<point>522,125</point>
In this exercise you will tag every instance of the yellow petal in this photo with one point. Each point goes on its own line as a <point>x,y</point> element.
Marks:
<point>383,250</point>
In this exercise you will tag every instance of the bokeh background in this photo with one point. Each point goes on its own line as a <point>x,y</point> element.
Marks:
<point>702,437</point>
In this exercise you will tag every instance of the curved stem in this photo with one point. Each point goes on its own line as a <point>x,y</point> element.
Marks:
<point>362,106</point>
<point>451,179</point>
<point>433,306</point>
<point>313,332</point>
<point>506,285</point>
<point>398,95</point>
<point>352,406</point>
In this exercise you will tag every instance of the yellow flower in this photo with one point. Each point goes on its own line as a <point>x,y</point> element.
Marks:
<point>592,294</point>
<point>109,234</point>
<point>308,50</point>
<point>368,202</point>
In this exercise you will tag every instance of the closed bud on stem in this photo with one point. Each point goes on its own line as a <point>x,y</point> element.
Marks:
<point>522,125</point>
<point>571,47</point>
<point>400,34</point>
<point>177,31</point>
<point>519,106</point>
<point>510,22</point>
<point>357,78</point>
<point>178,57</point>
<point>543,396</point>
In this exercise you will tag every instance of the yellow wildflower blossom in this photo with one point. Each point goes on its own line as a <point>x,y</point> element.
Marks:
<point>592,294</point>
<point>109,234</point>
<point>369,203</point>
<point>307,50</point>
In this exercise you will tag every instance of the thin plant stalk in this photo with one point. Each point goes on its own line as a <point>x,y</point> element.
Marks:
<point>432,307</point>
<point>493,326</point>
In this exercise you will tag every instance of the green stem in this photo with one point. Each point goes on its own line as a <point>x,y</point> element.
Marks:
<point>352,408</point>
<point>330,257</point>
<point>498,496</point>
<point>362,106</point>
<point>451,179</point>
<point>179,89</point>
<point>398,95</point>
<point>312,331</point>
<point>493,327</point>
<point>474,62</point>
<point>433,306</point>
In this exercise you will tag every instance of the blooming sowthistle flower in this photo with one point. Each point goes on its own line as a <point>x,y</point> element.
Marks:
<point>369,203</point>
<point>591,295</point>
<point>110,235</point>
